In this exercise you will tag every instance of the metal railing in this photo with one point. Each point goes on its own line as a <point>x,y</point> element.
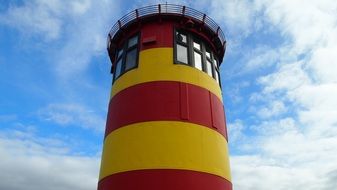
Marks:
<point>166,9</point>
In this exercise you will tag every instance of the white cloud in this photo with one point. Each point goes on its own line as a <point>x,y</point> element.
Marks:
<point>288,77</point>
<point>72,114</point>
<point>297,151</point>
<point>74,31</point>
<point>312,29</point>
<point>31,162</point>
<point>310,84</point>
<point>252,60</point>
<point>80,7</point>
<point>36,17</point>
<point>285,156</point>
<point>275,108</point>
<point>235,131</point>
<point>276,127</point>
<point>86,37</point>
<point>239,16</point>
<point>308,23</point>
<point>256,172</point>
<point>318,107</point>
<point>324,63</point>
<point>261,57</point>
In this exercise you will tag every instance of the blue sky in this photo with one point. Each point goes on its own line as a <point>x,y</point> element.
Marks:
<point>279,80</point>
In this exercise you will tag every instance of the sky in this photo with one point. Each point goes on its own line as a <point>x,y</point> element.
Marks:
<point>279,82</point>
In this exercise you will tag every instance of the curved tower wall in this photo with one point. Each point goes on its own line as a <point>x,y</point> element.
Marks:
<point>166,124</point>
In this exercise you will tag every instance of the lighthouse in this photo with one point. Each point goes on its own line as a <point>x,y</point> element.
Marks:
<point>166,127</point>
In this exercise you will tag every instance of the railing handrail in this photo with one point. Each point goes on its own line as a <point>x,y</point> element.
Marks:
<point>166,9</point>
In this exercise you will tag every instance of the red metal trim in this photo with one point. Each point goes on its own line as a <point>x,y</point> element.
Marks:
<point>162,32</point>
<point>164,179</point>
<point>166,101</point>
<point>149,40</point>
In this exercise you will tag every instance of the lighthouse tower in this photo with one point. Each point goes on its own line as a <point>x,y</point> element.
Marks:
<point>166,125</point>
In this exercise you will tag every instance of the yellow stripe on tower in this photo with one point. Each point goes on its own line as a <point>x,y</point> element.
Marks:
<point>165,145</point>
<point>157,65</point>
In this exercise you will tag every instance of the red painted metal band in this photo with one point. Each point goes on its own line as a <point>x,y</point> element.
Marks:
<point>152,35</point>
<point>163,179</point>
<point>166,101</point>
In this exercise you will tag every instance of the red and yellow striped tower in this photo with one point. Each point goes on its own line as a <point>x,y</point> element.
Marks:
<point>166,124</point>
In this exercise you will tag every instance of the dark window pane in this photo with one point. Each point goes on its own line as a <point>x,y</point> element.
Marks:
<point>209,68</point>
<point>118,68</point>
<point>133,41</point>
<point>217,76</point>
<point>131,59</point>
<point>182,54</point>
<point>181,37</point>
<point>215,64</point>
<point>196,45</point>
<point>120,52</point>
<point>197,61</point>
<point>208,54</point>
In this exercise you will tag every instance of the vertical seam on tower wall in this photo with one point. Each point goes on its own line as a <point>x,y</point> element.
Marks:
<point>212,107</point>
<point>184,105</point>
<point>226,132</point>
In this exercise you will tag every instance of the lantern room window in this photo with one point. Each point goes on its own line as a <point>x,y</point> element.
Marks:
<point>190,50</point>
<point>126,56</point>
<point>182,48</point>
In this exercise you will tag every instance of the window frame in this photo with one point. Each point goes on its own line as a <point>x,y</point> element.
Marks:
<point>196,50</point>
<point>204,47</point>
<point>186,45</point>
<point>123,56</point>
<point>209,59</point>
<point>216,69</point>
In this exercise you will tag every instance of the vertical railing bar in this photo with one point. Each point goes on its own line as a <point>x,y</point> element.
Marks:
<point>119,24</point>
<point>203,19</point>
<point>137,14</point>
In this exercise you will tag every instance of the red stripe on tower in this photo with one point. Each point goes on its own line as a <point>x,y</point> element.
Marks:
<point>163,179</point>
<point>166,100</point>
